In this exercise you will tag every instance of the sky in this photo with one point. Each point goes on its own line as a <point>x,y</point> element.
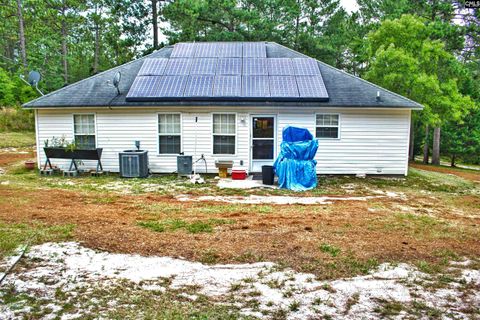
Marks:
<point>349,5</point>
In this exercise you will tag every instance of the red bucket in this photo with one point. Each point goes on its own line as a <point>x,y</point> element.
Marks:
<point>239,174</point>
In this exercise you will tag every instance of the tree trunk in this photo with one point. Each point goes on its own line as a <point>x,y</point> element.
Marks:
<point>411,155</point>
<point>425,146</point>
<point>436,146</point>
<point>452,161</point>
<point>155,24</point>
<point>64,51</point>
<point>97,48</point>
<point>21,35</point>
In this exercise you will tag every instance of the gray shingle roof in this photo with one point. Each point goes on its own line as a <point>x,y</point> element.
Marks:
<point>345,90</point>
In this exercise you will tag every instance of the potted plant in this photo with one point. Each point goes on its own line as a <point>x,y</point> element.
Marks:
<point>29,164</point>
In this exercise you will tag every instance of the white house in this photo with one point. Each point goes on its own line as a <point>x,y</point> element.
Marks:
<point>230,101</point>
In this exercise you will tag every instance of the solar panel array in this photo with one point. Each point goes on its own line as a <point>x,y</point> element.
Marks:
<point>225,71</point>
<point>219,50</point>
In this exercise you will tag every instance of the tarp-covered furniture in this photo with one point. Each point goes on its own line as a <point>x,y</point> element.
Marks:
<point>295,165</point>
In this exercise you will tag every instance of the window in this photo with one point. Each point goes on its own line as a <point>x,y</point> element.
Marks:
<point>84,130</point>
<point>327,126</point>
<point>169,134</point>
<point>224,133</point>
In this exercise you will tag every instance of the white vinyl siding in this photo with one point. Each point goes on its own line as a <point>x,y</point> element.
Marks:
<point>224,137</point>
<point>169,133</point>
<point>373,141</point>
<point>84,131</point>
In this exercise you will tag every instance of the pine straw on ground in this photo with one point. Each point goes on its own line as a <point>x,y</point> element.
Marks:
<point>473,175</point>
<point>364,232</point>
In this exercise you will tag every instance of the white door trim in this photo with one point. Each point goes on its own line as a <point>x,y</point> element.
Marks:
<point>250,138</point>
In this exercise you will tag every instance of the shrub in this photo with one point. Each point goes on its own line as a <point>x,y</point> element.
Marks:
<point>16,119</point>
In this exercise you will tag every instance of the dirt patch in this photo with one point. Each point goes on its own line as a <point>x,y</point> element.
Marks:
<point>289,235</point>
<point>10,158</point>
<point>462,173</point>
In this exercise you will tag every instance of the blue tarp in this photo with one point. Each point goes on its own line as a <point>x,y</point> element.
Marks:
<point>295,166</point>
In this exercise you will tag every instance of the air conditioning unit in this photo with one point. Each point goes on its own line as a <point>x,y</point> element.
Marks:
<point>133,163</point>
<point>184,165</point>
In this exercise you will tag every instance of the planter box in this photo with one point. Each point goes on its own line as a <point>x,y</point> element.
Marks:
<point>79,154</point>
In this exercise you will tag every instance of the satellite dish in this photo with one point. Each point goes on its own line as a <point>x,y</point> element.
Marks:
<point>116,80</point>
<point>34,78</point>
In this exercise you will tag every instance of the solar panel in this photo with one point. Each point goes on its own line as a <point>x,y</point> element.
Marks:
<point>305,67</point>
<point>204,66</point>
<point>152,67</point>
<point>206,50</point>
<point>199,86</point>
<point>311,87</point>
<point>255,87</point>
<point>180,66</point>
<point>280,67</point>
<point>230,50</point>
<point>283,86</point>
<point>183,50</point>
<point>227,86</point>
<point>229,66</point>
<point>254,50</point>
<point>157,87</point>
<point>255,67</point>
<point>171,86</point>
<point>143,87</point>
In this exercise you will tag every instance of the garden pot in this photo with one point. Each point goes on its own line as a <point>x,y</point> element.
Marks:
<point>29,165</point>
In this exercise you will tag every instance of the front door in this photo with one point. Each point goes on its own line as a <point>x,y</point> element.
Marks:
<point>263,135</point>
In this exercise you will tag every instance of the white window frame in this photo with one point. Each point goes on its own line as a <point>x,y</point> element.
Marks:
<point>231,134</point>
<point>94,125</point>
<point>338,126</point>
<point>159,134</point>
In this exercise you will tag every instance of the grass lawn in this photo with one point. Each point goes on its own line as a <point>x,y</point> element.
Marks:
<point>426,219</point>
<point>434,214</point>
<point>17,139</point>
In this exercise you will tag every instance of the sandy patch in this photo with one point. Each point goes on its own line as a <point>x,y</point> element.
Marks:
<point>282,200</point>
<point>71,266</point>
<point>243,184</point>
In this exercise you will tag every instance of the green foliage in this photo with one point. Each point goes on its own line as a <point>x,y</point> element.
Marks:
<point>461,140</point>
<point>16,119</point>
<point>405,60</point>
<point>330,249</point>
<point>177,224</point>
<point>67,41</point>
<point>61,142</point>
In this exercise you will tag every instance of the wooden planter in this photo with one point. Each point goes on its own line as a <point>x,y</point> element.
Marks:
<point>78,154</point>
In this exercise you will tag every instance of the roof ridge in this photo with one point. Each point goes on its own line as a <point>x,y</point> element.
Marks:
<point>351,75</point>
<point>92,77</point>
